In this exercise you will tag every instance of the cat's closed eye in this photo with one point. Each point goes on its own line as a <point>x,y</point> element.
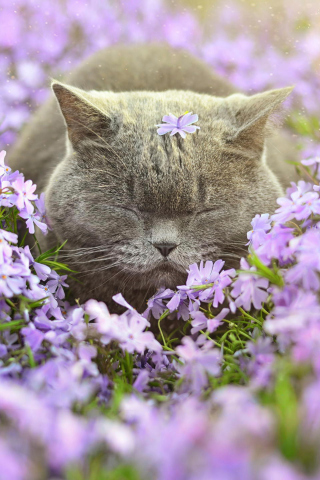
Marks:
<point>211,211</point>
<point>121,209</point>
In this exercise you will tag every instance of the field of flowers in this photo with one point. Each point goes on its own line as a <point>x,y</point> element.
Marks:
<point>89,395</point>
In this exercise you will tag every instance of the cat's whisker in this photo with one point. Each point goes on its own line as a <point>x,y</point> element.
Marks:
<point>108,280</point>
<point>103,268</point>
<point>95,260</point>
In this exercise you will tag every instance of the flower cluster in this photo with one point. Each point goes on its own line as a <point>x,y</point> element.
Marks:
<point>60,360</point>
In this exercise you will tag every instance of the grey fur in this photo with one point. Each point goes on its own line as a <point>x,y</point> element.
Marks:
<point>114,187</point>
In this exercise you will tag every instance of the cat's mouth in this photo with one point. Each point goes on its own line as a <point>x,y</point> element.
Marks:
<point>167,274</point>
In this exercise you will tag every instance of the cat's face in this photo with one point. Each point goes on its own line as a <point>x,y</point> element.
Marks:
<point>145,206</point>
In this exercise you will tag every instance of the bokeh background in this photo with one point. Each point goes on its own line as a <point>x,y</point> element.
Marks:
<point>256,44</point>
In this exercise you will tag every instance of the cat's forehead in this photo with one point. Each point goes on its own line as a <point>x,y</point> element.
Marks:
<point>154,105</point>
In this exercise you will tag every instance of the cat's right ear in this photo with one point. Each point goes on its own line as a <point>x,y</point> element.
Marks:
<point>85,122</point>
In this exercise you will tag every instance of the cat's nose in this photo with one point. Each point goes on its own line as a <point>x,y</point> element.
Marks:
<point>165,248</point>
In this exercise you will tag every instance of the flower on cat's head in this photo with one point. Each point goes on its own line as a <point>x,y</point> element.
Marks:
<point>182,124</point>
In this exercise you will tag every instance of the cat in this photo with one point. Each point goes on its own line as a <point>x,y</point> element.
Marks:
<point>137,208</point>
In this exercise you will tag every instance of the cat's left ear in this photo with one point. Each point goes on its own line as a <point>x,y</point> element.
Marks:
<point>252,117</point>
<point>85,120</point>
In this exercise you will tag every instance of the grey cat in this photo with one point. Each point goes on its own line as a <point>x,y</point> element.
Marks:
<point>137,208</point>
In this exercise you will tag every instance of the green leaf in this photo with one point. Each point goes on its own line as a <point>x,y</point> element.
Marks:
<point>49,253</point>
<point>12,325</point>
<point>57,266</point>
<point>263,270</point>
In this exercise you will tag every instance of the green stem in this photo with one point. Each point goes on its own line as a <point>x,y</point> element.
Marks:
<point>31,357</point>
<point>38,245</point>
<point>249,316</point>
<point>23,240</point>
<point>164,315</point>
<point>216,343</point>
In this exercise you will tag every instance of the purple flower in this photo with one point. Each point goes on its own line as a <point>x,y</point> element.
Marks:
<point>306,346</point>
<point>99,311</point>
<point>311,404</point>
<point>41,210</point>
<point>275,245</point>
<point>33,219</point>
<point>259,366</point>
<point>155,303</point>
<point>311,161</point>
<point>5,249</point>
<point>181,125</point>
<point>78,327</point>
<point>178,302</point>
<point>43,271</point>
<point>309,203</point>
<point>7,198</point>
<point>215,294</point>
<point>307,252</point>
<point>33,337</point>
<point>5,171</point>
<point>260,225</point>
<point>301,188</point>
<point>248,287</point>
<point>299,205</point>
<point>56,284</point>
<point>204,274</point>
<point>201,322</point>
<point>118,298</point>
<point>24,191</point>
<point>14,465</point>
<point>293,311</point>
<point>198,362</point>
<point>141,381</point>
<point>11,282</point>
<point>132,336</point>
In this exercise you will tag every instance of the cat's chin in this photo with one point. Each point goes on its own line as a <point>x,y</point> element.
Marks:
<point>166,274</point>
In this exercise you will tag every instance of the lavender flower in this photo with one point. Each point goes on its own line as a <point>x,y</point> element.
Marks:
<point>5,170</point>
<point>132,336</point>
<point>202,322</point>
<point>261,224</point>
<point>5,249</point>
<point>181,125</point>
<point>33,219</point>
<point>247,289</point>
<point>178,303</point>
<point>56,284</point>
<point>294,310</point>
<point>155,303</point>
<point>24,191</point>
<point>198,362</point>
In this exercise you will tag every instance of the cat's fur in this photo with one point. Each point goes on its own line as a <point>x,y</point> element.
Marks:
<point>115,188</point>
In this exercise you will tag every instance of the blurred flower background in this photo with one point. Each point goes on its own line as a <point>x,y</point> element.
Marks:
<point>235,399</point>
<point>255,44</point>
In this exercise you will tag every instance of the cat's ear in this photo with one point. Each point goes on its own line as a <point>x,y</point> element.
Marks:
<point>85,121</point>
<point>253,118</point>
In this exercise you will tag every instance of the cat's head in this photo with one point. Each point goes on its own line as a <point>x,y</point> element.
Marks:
<point>150,205</point>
